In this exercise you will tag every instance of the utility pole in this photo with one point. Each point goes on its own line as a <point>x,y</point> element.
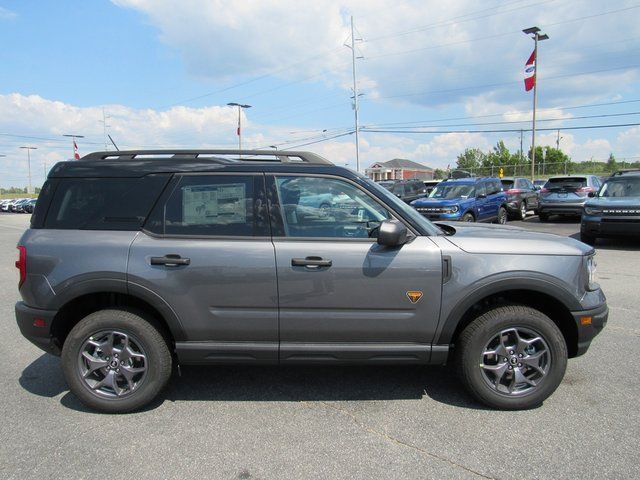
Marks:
<point>355,91</point>
<point>28,149</point>
<point>536,38</point>
<point>104,127</point>
<point>239,131</point>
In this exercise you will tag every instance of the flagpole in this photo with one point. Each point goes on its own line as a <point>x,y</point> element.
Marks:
<point>535,102</point>
<point>536,36</point>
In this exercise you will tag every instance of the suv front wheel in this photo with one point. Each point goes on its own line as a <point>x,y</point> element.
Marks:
<point>115,361</point>
<point>511,357</point>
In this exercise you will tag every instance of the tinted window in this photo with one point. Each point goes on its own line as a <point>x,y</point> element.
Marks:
<point>103,203</point>
<point>481,189</point>
<point>327,207</point>
<point>507,184</point>
<point>452,190</point>
<point>493,186</point>
<point>621,187</point>
<point>398,189</point>
<point>566,182</point>
<point>227,205</point>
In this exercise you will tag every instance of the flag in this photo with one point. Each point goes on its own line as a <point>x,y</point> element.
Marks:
<point>530,72</point>
<point>76,155</point>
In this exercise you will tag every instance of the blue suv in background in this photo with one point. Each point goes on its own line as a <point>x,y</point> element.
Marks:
<point>465,199</point>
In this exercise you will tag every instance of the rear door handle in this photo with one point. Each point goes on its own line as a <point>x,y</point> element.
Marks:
<point>170,260</point>
<point>311,262</point>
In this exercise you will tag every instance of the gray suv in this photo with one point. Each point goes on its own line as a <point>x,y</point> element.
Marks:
<point>138,262</point>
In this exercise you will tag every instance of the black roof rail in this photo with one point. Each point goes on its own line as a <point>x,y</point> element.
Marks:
<point>626,170</point>
<point>283,156</point>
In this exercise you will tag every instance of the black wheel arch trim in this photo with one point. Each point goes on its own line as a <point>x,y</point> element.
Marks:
<point>534,282</point>
<point>121,286</point>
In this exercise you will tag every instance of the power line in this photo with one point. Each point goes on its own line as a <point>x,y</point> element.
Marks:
<point>435,132</point>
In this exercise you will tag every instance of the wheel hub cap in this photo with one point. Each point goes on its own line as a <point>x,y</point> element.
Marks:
<point>515,361</point>
<point>112,364</point>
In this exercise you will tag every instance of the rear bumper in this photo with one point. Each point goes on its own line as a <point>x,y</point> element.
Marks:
<point>590,323</point>
<point>39,336</point>
<point>561,209</point>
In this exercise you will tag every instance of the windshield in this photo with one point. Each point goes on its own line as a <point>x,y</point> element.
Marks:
<point>453,190</point>
<point>621,187</point>
<point>401,206</point>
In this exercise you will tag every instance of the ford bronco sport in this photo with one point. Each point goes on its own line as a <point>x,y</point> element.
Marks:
<point>137,262</point>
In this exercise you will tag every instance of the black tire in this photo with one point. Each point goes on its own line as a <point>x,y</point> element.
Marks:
<point>588,239</point>
<point>473,366</point>
<point>544,217</point>
<point>502,216</point>
<point>522,211</point>
<point>145,342</point>
<point>468,217</point>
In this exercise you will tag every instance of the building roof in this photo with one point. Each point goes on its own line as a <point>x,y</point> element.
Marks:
<point>401,163</point>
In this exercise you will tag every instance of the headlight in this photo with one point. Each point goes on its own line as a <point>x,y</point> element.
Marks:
<point>591,273</point>
<point>592,211</point>
<point>452,209</point>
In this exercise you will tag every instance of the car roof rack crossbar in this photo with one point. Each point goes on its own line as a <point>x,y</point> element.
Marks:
<point>626,170</point>
<point>281,156</point>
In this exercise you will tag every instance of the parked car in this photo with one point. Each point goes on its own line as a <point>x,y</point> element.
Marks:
<point>521,196</point>
<point>4,205</point>
<point>471,199</point>
<point>430,185</point>
<point>614,211</point>
<point>407,190</point>
<point>538,184</point>
<point>566,195</point>
<point>206,258</point>
<point>18,207</point>
<point>29,206</point>
<point>11,207</point>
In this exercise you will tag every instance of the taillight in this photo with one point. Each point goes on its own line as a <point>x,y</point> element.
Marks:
<point>544,190</point>
<point>514,191</point>
<point>586,189</point>
<point>21,264</point>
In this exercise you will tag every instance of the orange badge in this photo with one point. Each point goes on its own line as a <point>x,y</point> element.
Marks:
<point>414,295</point>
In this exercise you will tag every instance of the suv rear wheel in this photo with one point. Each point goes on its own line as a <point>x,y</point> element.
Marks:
<point>511,357</point>
<point>115,361</point>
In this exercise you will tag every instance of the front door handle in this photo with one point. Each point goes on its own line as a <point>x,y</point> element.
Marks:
<point>311,262</point>
<point>170,260</point>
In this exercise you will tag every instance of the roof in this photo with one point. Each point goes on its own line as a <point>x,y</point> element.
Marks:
<point>402,163</point>
<point>137,163</point>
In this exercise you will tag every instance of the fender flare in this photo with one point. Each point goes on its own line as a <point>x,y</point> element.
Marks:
<point>533,282</point>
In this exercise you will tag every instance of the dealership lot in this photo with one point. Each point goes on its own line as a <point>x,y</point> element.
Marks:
<point>330,422</point>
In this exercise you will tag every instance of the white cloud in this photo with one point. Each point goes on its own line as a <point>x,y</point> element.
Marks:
<point>410,47</point>
<point>6,14</point>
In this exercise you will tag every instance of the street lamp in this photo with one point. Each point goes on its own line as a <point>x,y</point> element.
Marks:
<point>28,149</point>
<point>240,107</point>
<point>76,155</point>
<point>273,146</point>
<point>536,36</point>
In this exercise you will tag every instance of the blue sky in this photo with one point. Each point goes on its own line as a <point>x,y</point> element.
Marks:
<point>165,70</point>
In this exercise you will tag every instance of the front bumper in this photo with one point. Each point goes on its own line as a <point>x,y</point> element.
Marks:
<point>610,226</point>
<point>40,336</point>
<point>590,323</point>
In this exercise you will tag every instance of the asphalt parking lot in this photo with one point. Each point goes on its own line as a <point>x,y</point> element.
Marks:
<point>384,422</point>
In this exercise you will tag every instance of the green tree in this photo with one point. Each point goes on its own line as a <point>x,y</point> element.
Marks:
<point>471,159</point>
<point>612,164</point>
<point>439,174</point>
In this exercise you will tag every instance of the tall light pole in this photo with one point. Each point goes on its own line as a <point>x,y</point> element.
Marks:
<point>537,36</point>
<point>240,107</point>
<point>28,149</point>
<point>76,155</point>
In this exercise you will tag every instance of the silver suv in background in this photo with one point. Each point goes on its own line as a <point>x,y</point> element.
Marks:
<point>566,195</point>
<point>139,261</point>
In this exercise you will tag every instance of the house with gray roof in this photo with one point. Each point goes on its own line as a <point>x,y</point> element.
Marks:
<point>398,169</point>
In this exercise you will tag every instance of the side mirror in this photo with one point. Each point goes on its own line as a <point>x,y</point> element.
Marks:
<point>392,233</point>
<point>591,194</point>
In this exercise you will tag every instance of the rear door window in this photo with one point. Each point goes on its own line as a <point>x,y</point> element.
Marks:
<point>566,183</point>
<point>213,205</point>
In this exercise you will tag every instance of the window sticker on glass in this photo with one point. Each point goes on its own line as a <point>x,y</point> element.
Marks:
<point>209,204</point>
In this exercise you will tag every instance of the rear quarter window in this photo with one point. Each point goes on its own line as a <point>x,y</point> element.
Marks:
<point>103,203</point>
